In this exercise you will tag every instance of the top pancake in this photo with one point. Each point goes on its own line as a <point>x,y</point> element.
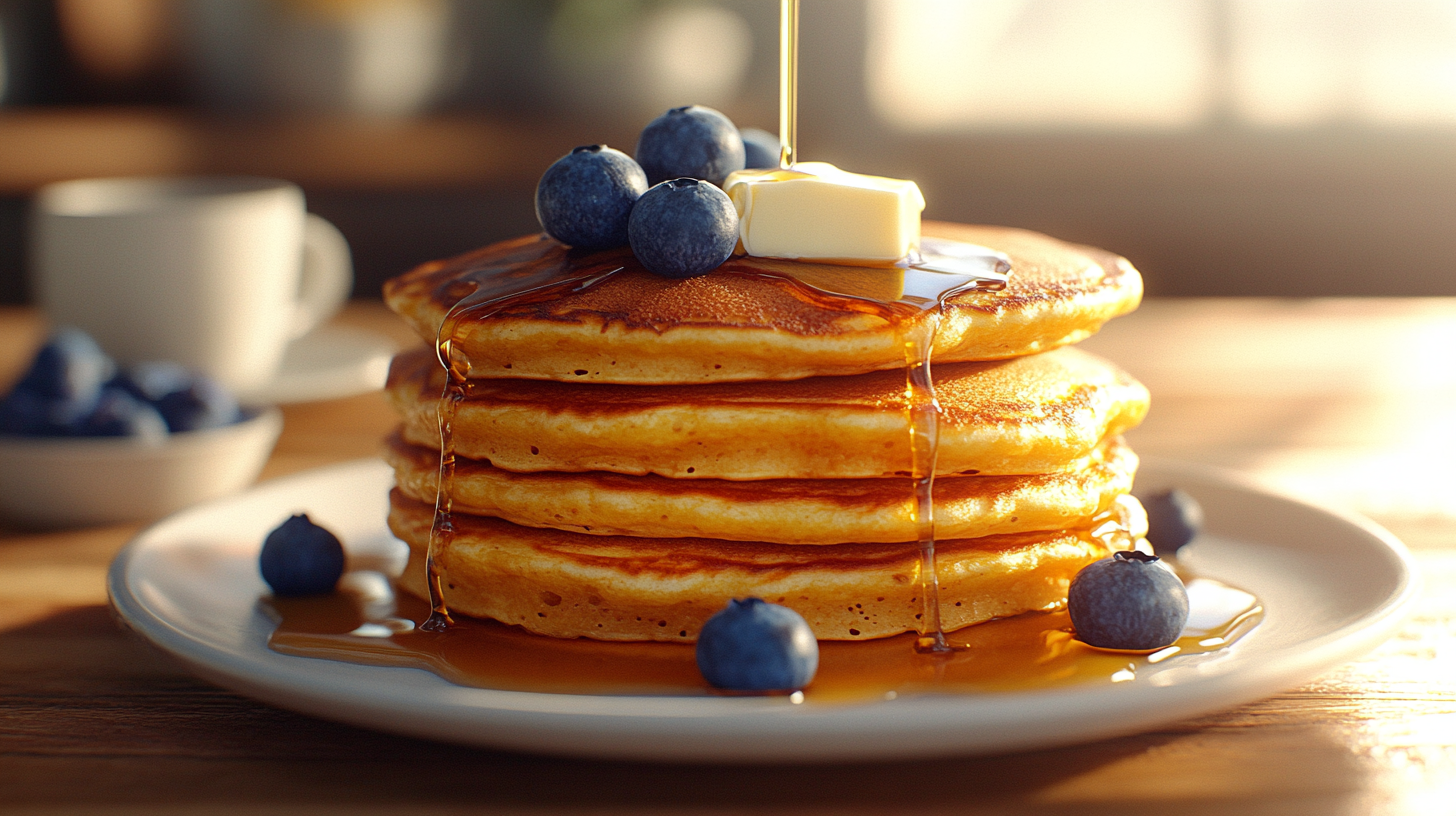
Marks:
<point>752,318</point>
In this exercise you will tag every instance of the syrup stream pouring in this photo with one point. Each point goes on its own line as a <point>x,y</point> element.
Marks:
<point>788,83</point>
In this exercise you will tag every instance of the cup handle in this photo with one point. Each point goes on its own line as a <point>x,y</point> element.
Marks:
<point>327,277</point>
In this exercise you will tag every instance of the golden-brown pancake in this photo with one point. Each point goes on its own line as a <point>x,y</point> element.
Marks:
<point>751,319</point>
<point>568,584</point>
<point>1040,414</point>
<point>781,511</point>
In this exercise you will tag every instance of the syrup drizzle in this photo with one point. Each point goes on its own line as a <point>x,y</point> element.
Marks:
<point>511,281</point>
<point>927,287</point>
<point>940,270</point>
<point>923,410</point>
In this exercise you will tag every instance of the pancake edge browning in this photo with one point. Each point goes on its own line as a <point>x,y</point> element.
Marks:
<point>564,584</point>
<point>1041,414</point>
<point>711,329</point>
<point>780,511</point>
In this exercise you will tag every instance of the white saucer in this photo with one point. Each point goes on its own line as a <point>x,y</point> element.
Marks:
<point>330,362</point>
<point>1333,586</point>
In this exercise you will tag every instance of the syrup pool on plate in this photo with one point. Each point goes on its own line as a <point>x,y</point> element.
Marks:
<point>366,622</point>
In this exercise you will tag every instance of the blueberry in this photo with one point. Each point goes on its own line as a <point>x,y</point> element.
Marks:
<point>1174,519</point>
<point>25,413</point>
<point>301,558</point>
<point>59,389</point>
<point>70,366</point>
<point>584,199</point>
<point>760,149</point>
<point>1128,601</point>
<point>752,645</point>
<point>683,228</point>
<point>187,400</point>
<point>118,413</point>
<point>690,142</point>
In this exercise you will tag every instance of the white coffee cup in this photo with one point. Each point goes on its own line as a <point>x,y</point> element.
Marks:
<point>216,273</point>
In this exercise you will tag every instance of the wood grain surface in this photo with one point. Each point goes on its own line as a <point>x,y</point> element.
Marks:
<point>1347,401</point>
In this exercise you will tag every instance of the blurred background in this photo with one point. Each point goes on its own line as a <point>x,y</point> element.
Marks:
<point>1227,147</point>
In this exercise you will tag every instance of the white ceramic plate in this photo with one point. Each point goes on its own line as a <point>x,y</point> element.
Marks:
<point>329,362</point>
<point>1333,586</point>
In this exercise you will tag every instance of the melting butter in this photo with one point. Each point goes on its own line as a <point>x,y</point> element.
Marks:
<point>815,211</point>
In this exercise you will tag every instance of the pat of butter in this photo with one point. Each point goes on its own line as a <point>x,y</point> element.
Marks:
<point>815,211</point>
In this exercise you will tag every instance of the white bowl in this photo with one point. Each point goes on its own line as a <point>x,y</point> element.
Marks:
<point>72,482</point>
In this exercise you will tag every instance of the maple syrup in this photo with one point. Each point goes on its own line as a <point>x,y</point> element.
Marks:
<point>788,83</point>
<point>365,623</point>
<point>512,280</point>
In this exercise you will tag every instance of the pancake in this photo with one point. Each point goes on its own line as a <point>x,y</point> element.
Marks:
<point>566,584</point>
<point>782,511</point>
<point>749,320</point>
<point>1045,413</point>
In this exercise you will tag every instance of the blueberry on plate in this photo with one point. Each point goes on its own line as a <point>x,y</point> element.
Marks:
<point>584,198</point>
<point>1174,519</point>
<point>118,413</point>
<point>752,645</point>
<point>301,558</point>
<point>187,400</point>
<point>760,149</point>
<point>683,228</point>
<point>1128,601</point>
<point>690,142</point>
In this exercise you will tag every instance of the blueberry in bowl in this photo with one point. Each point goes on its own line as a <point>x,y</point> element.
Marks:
<point>82,443</point>
<point>119,413</point>
<point>60,389</point>
<point>185,399</point>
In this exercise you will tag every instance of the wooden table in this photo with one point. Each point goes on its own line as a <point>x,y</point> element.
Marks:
<point>1349,401</point>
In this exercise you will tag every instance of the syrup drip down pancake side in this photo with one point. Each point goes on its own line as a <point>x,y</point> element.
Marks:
<point>566,584</point>
<point>782,511</point>
<point>754,318</point>
<point>1045,413</point>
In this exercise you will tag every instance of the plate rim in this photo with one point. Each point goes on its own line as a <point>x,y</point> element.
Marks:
<point>739,730</point>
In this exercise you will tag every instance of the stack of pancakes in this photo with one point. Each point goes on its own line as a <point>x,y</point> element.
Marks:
<point>636,452</point>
